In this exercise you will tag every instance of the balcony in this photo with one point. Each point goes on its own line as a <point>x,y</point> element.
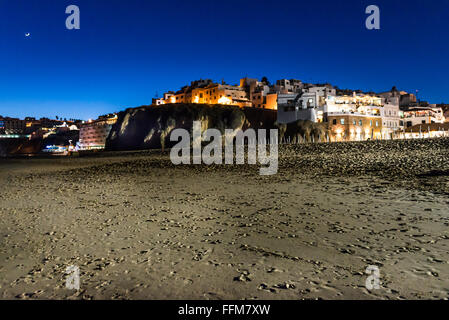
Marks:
<point>357,114</point>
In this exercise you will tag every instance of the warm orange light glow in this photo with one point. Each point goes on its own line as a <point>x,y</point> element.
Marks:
<point>224,100</point>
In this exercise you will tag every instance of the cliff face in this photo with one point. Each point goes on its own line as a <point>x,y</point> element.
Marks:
<point>149,127</point>
<point>303,129</point>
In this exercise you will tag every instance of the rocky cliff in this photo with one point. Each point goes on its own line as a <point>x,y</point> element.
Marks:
<point>149,127</point>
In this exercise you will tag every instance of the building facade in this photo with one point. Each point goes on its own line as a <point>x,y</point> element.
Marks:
<point>93,134</point>
<point>207,92</point>
<point>249,93</point>
<point>12,126</point>
<point>354,118</point>
<point>428,130</point>
<point>354,127</point>
<point>299,106</point>
<point>422,115</point>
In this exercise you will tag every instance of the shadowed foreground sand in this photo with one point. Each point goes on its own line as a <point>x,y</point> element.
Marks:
<point>138,227</point>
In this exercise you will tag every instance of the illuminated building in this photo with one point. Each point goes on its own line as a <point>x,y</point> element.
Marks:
<point>432,130</point>
<point>297,106</point>
<point>354,127</point>
<point>12,126</point>
<point>249,93</point>
<point>422,115</point>
<point>305,104</point>
<point>354,118</point>
<point>93,134</point>
<point>261,94</point>
<point>219,94</point>
<point>208,92</point>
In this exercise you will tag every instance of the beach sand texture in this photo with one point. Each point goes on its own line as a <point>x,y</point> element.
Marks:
<point>139,227</point>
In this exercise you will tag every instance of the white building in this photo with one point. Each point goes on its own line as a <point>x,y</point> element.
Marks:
<point>391,117</point>
<point>286,86</point>
<point>422,115</point>
<point>432,130</point>
<point>297,106</point>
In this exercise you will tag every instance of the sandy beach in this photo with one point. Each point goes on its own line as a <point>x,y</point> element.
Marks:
<point>139,227</point>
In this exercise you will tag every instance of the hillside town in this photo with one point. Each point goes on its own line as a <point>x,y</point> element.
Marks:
<point>349,115</point>
<point>59,136</point>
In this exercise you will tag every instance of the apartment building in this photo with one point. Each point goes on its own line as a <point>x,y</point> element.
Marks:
<point>93,134</point>
<point>299,106</point>
<point>422,115</point>
<point>354,118</point>
<point>285,86</point>
<point>12,126</point>
<point>354,127</point>
<point>391,117</point>
<point>322,91</point>
<point>428,130</point>
<point>205,91</point>
<point>261,94</point>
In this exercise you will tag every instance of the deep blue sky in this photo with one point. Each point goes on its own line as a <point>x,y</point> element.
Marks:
<point>126,51</point>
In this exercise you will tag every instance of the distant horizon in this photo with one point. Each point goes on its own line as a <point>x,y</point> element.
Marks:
<point>125,52</point>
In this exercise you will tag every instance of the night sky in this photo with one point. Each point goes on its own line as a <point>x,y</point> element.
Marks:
<point>126,51</point>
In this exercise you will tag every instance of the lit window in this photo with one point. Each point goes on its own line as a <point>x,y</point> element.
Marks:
<point>342,121</point>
